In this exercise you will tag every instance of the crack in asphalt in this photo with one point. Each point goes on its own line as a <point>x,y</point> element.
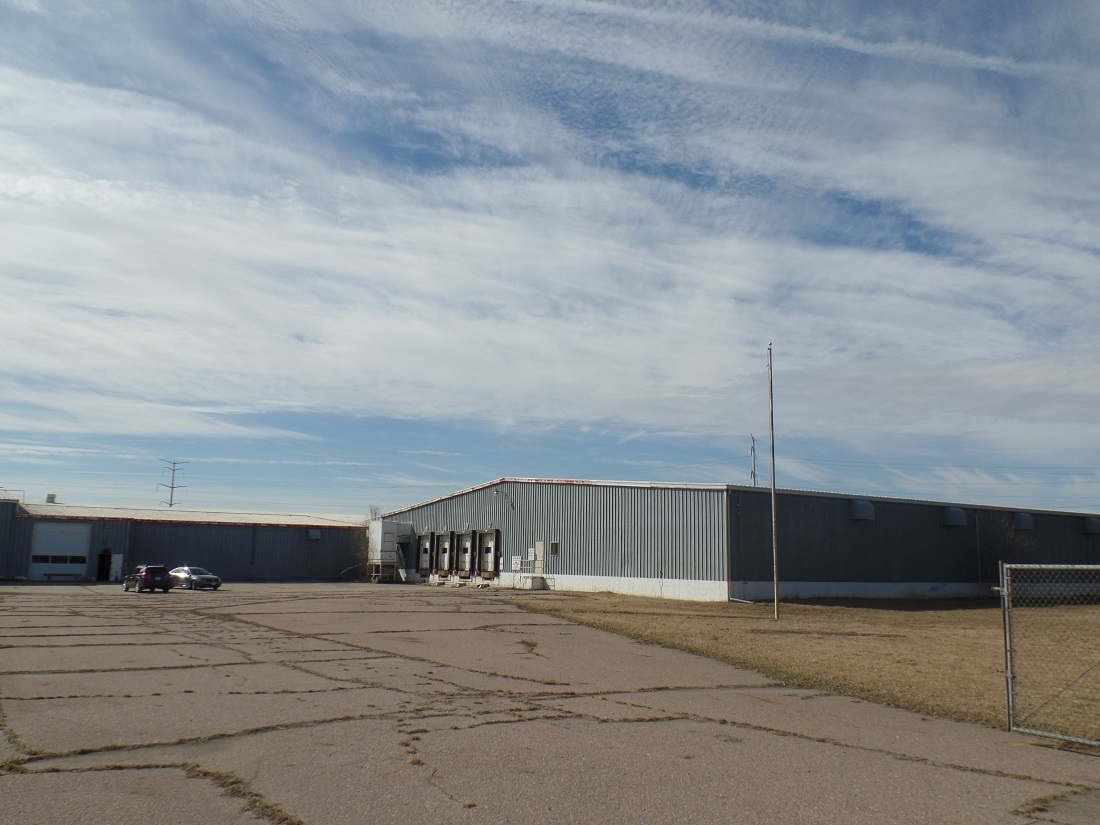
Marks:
<point>214,626</point>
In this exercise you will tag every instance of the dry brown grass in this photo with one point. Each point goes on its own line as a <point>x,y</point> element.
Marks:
<point>1058,669</point>
<point>941,658</point>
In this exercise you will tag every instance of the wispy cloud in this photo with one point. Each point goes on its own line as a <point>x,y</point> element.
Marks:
<point>528,216</point>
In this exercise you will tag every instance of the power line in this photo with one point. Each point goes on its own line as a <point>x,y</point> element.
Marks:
<point>173,467</point>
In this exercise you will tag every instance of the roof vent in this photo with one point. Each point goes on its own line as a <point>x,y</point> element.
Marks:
<point>861,510</point>
<point>954,517</point>
<point>51,498</point>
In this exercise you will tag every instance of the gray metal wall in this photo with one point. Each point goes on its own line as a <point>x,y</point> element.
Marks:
<point>108,536</point>
<point>725,533</point>
<point>8,554</point>
<point>821,540</point>
<point>21,546</point>
<point>601,529</point>
<point>245,552</point>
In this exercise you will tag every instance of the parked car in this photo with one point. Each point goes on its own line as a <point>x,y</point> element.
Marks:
<point>195,578</point>
<point>148,577</point>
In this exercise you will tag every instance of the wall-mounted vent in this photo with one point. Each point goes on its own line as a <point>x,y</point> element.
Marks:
<point>313,534</point>
<point>954,517</point>
<point>861,510</point>
<point>1092,526</point>
<point>1023,521</point>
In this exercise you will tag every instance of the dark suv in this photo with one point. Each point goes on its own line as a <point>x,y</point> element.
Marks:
<point>148,577</point>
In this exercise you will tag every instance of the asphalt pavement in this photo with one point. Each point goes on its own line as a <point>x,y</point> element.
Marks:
<point>355,703</point>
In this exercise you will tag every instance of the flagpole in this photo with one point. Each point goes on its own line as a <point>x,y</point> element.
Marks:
<point>775,541</point>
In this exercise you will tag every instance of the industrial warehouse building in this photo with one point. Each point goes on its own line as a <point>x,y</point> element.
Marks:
<point>714,541</point>
<point>63,542</point>
<point>684,541</point>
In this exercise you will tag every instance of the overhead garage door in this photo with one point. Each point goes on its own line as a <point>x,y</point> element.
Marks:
<point>59,549</point>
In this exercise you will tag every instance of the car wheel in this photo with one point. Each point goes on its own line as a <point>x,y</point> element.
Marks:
<point>216,586</point>
<point>125,587</point>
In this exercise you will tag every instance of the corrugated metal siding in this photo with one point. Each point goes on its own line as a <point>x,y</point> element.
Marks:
<point>819,541</point>
<point>750,520</point>
<point>245,552</point>
<point>21,555</point>
<point>7,539</point>
<point>601,529</point>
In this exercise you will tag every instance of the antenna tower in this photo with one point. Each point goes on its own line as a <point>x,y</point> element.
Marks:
<point>752,455</point>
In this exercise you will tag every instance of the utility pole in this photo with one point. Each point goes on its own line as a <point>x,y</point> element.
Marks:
<point>775,540</point>
<point>173,467</point>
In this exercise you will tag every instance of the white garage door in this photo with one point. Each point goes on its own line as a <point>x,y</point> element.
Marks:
<point>59,549</point>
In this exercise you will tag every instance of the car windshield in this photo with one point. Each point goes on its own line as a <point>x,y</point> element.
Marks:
<point>200,571</point>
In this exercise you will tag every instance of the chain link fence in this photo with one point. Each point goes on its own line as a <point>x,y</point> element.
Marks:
<point>1052,649</point>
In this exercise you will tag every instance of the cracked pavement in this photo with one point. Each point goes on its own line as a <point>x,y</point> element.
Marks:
<point>346,703</point>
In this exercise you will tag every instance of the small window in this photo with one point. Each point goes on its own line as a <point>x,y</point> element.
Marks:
<point>1092,525</point>
<point>78,560</point>
<point>59,559</point>
<point>40,559</point>
<point>1023,521</point>
<point>314,535</point>
<point>553,548</point>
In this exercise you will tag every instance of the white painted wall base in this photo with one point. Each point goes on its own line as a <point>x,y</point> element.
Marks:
<point>720,591</point>
<point>700,591</point>
<point>763,591</point>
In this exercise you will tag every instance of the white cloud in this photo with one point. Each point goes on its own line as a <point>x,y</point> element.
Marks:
<point>551,214</point>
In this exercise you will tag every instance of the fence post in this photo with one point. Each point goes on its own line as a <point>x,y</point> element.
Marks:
<point>1006,617</point>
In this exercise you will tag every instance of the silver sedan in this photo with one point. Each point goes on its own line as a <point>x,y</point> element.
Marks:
<point>195,578</point>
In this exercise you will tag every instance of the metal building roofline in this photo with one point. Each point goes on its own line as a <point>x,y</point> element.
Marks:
<point>671,485</point>
<point>565,481</point>
<point>180,516</point>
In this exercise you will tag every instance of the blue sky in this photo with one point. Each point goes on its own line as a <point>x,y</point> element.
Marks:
<point>343,255</point>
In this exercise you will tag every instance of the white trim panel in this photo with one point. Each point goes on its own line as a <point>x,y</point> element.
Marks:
<point>683,589</point>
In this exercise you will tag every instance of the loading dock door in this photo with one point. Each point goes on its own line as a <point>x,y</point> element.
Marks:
<point>443,555</point>
<point>466,555</point>
<point>425,565</point>
<point>487,544</point>
<point>59,549</point>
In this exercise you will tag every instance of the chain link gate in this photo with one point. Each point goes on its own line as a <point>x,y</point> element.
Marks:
<point>1052,649</point>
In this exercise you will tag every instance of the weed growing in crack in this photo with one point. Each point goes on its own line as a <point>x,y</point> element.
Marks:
<point>17,764</point>
<point>234,786</point>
